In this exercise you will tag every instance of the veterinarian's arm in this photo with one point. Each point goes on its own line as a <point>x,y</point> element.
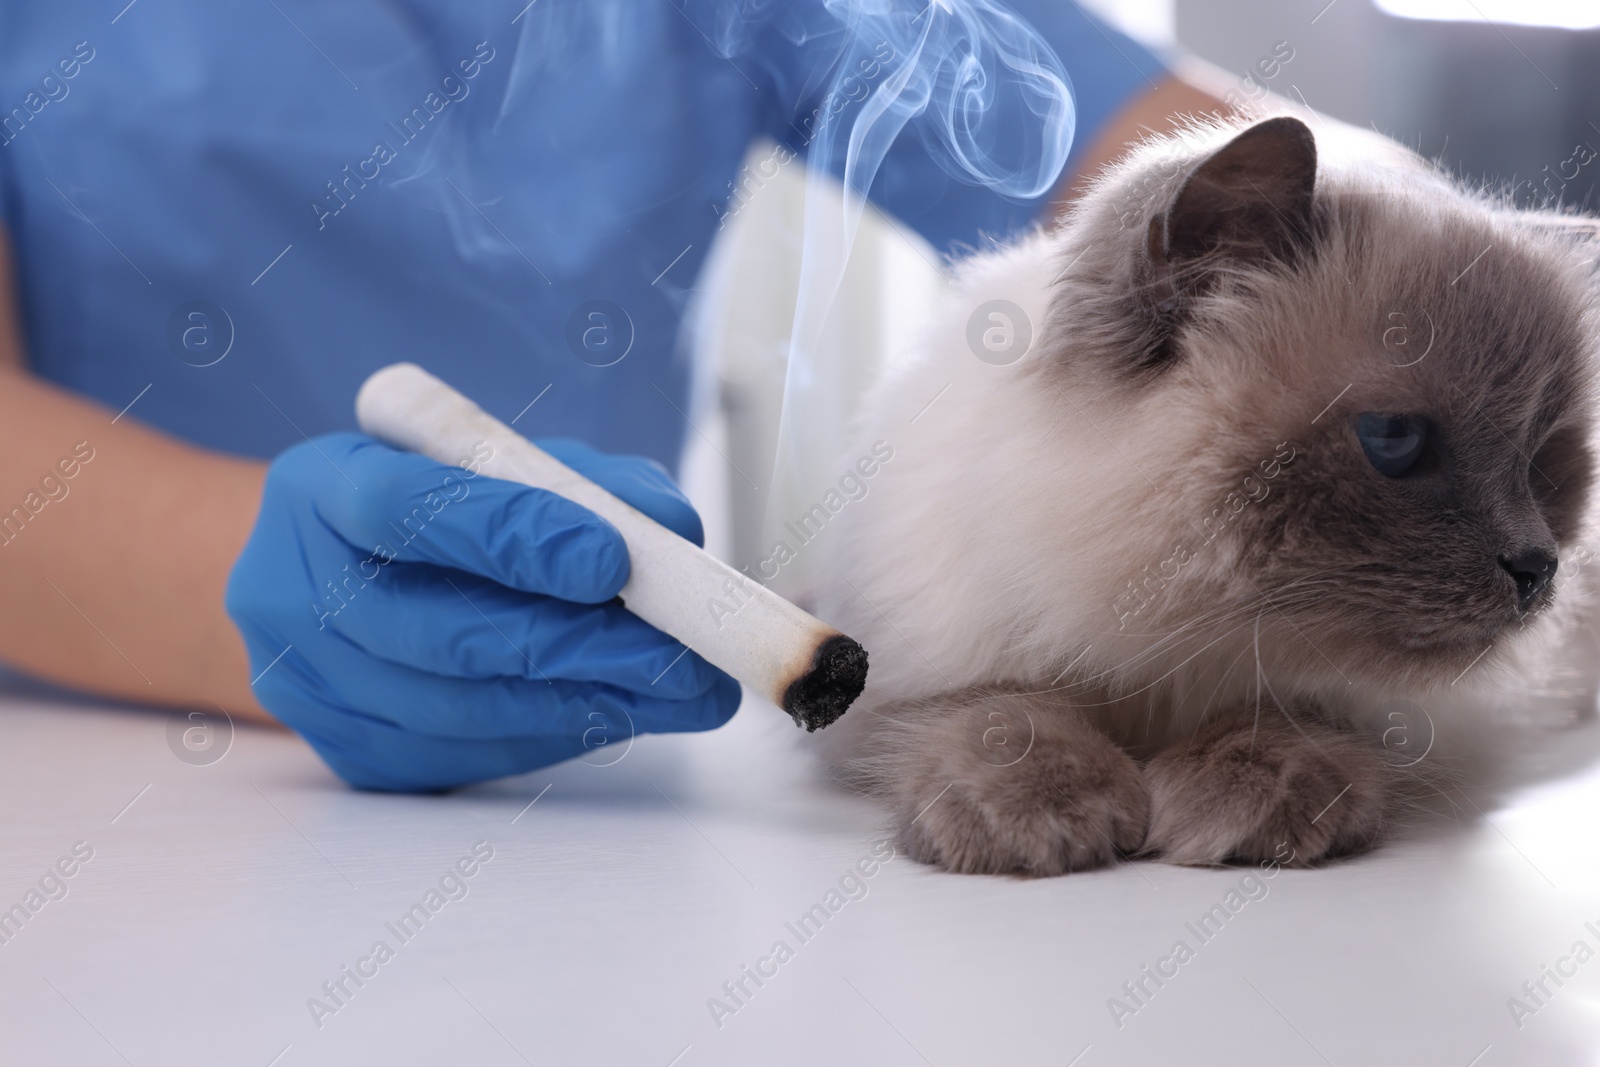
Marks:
<point>112,576</point>
<point>130,564</point>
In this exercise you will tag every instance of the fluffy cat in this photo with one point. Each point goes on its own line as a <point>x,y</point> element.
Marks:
<point>1274,438</point>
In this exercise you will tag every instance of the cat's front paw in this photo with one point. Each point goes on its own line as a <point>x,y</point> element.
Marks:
<point>1274,790</point>
<point>1056,796</point>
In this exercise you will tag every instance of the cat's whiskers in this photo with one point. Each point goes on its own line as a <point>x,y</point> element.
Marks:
<point>1210,618</point>
<point>1124,695</point>
<point>1222,679</point>
<point>1303,590</point>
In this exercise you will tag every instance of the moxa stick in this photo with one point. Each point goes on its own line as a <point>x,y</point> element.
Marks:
<point>798,662</point>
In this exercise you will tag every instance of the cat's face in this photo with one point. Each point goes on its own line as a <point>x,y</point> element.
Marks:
<point>1432,496</point>
<point>1389,390</point>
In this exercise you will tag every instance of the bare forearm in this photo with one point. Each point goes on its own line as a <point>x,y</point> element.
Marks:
<point>115,545</point>
<point>1195,88</point>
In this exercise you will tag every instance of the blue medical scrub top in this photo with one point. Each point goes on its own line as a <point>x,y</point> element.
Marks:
<point>229,213</point>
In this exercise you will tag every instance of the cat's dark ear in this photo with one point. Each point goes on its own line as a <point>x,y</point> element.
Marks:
<point>1249,200</point>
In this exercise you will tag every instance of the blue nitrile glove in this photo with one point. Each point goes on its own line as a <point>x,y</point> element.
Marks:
<point>424,627</point>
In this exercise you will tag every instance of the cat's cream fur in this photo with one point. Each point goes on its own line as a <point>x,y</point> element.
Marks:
<point>1018,718</point>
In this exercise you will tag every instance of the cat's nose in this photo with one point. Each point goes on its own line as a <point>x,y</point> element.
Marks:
<point>1532,570</point>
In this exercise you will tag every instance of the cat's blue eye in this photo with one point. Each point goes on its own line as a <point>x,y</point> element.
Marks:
<point>1393,443</point>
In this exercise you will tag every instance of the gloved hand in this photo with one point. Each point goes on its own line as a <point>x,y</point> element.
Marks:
<point>423,627</point>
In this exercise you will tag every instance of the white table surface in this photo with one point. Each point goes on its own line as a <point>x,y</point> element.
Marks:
<point>223,896</point>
